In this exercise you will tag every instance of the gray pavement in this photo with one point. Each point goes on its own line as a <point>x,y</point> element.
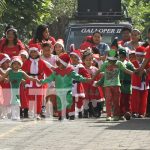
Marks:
<point>84,134</point>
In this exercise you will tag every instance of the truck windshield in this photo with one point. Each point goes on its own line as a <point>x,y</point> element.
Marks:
<point>76,35</point>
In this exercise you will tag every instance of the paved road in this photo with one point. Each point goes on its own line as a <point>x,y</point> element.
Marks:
<point>85,134</point>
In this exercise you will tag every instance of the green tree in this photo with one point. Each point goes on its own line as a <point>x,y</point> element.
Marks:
<point>139,11</point>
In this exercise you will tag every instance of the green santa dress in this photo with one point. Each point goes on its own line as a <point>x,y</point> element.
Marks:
<point>15,80</point>
<point>63,83</point>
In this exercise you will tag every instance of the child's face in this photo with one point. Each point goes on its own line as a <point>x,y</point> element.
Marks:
<point>74,59</point>
<point>23,58</point>
<point>34,54</point>
<point>140,58</point>
<point>46,51</point>
<point>88,61</point>
<point>58,49</point>
<point>6,64</point>
<point>16,66</point>
<point>112,62</point>
<point>122,57</point>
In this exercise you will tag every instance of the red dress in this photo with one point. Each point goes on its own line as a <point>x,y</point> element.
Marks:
<point>11,51</point>
<point>140,86</point>
<point>6,92</point>
<point>52,39</point>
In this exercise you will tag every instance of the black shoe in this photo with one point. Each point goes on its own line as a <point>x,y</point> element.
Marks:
<point>26,113</point>
<point>43,112</point>
<point>80,115</point>
<point>127,115</point>
<point>72,117</point>
<point>67,116</point>
<point>21,113</point>
<point>60,118</point>
<point>85,114</point>
<point>91,110</point>
<point>96,112</point>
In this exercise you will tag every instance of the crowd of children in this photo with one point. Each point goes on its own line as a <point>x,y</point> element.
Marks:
<point>76,82</point>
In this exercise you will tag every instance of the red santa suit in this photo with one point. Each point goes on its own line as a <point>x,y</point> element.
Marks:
<point>5,85</point>
<point>11,51</point>
<point>78,89</point>
<point>5,92</point>
<point>37,68</point>
<point>92,94</point>
<point>140,86</point>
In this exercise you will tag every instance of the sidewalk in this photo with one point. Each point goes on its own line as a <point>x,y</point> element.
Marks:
<point>84,134</point>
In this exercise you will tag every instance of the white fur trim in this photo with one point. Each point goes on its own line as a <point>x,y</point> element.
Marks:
<point>112,58</point>
<point>3,60</point>
<point>18,60</point>
<point>73,53</point>
<point>64,63</point>
<point>34,49</point>
<point>140,53</point>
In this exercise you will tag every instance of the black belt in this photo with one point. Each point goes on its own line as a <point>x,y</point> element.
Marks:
<point>74,81</point>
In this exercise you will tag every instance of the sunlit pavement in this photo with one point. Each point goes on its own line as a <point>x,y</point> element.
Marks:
<point>80,134</point>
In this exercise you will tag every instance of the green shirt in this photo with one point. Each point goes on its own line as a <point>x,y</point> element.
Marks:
<point>15,79</point>
<point>126,86</point>
<point>64,86</point>
<point>112,73</point>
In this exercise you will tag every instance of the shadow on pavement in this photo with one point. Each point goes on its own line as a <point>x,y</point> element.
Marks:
<point>134,124</point>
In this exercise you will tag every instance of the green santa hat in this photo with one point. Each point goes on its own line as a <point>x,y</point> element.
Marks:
<point>112,55</point>
<point>122,51</point>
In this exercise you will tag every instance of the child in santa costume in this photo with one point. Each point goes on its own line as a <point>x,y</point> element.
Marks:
<point>16,75</point>
<point>59,47</point>
<point>93,94</point>
<point>78,89</point>
<point>5,86</point>
<point>23,92</point>
<point>140,86</point>
<point>126,86</point>
<point>37,68</point>
<point>63,77</point>
<point>111,69</point>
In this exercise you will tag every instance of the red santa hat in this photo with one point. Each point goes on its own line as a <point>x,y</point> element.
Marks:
<point>140,50</point>
<point>24,52</point>
<point>60,42</point>
<point>64,59</point>
<point>76,53</point>
<point>35,47</point>
<point>18,59</point>
<point>3,58</point>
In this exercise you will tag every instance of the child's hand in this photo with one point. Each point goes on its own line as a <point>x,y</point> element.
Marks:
<point>6,80</point>
<point>95,84</point>
<point>88,80</point>
<point>38,81</point>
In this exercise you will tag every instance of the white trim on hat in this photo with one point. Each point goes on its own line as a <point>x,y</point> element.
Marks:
<point>18,60</point>
<point>4,59</point>
<point>24,52</point>
<point>34,49</point>
<point>112,58</point>
<point>140,53</point>
<point>73,53</point>
<point>61,61</point>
